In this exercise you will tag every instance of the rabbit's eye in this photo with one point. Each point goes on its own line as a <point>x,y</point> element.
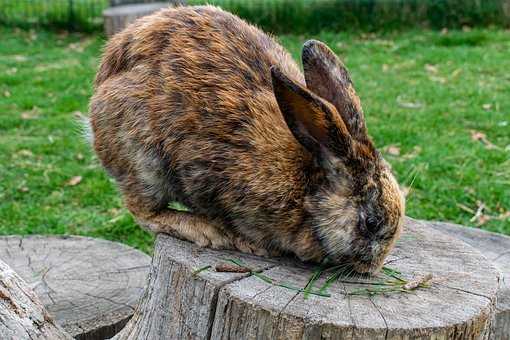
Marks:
<point>370,224</point>
<point>373,224</point>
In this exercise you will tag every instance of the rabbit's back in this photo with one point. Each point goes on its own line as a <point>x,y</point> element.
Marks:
<point>184,110</point>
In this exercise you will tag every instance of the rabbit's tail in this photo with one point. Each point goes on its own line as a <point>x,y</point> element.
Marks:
<point>84,127</point>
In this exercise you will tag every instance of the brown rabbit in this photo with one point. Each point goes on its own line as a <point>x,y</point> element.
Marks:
<point>194,105</point>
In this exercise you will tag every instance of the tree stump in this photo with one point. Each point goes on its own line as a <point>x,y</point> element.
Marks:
<point>118,17</point>
<point>180,303</point>
<point>496,248</point>
<point>91,287</point>
<point>22,315</point>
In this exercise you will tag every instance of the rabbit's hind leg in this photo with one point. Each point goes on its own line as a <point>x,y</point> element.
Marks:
<point>153,214</point>
<point>185,225</point>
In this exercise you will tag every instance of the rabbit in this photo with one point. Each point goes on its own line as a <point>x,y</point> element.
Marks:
<point>194,105</point>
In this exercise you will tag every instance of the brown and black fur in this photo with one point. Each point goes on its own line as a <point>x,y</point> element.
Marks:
<point>194,105</point>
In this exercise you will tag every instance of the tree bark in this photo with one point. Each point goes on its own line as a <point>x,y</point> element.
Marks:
<point>22,315</point>
<point>182,304</point>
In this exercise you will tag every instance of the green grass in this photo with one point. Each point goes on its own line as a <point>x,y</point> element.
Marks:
<point>84,15</point>
<point>423,94</point>
<point>298,16</point>
<point>284,16</point>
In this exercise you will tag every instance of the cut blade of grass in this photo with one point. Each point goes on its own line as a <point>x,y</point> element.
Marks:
<point>237,262</point>
<point>329,281</point>
<point>199,270</point>
<point>393,273</point>
<point>262,277</point>
<point>267,279</point>
<point>312,292</point>
<point>396,283</point>
<point>391,270</point>
<point>338,271</point>
<point>309,286</point>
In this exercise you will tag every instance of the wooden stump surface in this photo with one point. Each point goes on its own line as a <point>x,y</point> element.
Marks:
<point>90,286</point>
<point>22,315</point>
<point>496,248</point>
<point>460,304</point>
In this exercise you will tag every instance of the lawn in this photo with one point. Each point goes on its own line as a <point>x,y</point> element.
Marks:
<point>437,105</point>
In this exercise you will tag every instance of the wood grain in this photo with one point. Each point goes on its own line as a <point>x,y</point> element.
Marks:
<point>90,286</point>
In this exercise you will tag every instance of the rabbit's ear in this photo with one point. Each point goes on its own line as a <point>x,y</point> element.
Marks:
<point>327,76</point>
<point>313,121</point>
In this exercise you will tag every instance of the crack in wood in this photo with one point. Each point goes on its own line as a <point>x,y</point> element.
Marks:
<point>382,317</point>
<point>395,260</point>
<point>214,304</point>
<point>465,291</point>
<point>259,293</point>
<point>183,317</point>
<point>20,244</point>
<point>287,304</point>
<point>349,307</point>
